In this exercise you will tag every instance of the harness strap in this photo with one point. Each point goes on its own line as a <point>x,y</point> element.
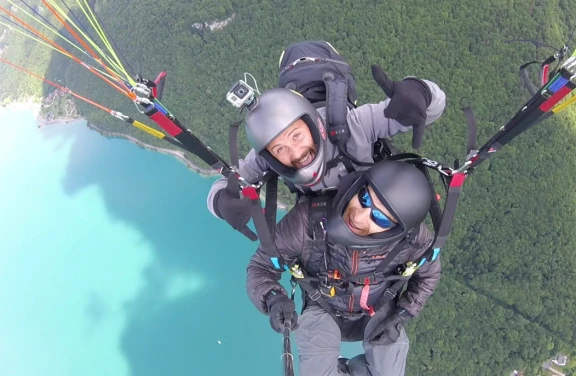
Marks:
<point>340,158</point>
<point>472,126</point>
<point>336,108</point>
<point>265,223</point>
<point>389,294</point>
<point>395,251</point>
<point>319,206</point>
<point>271,204</point>
<point>382,149</point>
<point>380,269</point>
<point>359,279</point>
<point>264,234</point>
<point>233,142</point>
<point>442,220</point>
<point>454,191</point>
<point>374,278</point>
<point>365,294</point>
<point>442,230</point>
<point>532,89</point>
<point>348,164</point>
<point>316,297</point>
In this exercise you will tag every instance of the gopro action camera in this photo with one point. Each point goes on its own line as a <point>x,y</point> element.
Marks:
<point>240,95</point>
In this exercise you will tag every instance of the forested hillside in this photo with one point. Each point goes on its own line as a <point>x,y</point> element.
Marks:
<point>507,299</point>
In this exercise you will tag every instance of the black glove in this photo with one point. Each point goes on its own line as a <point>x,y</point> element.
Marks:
<point>235,210</point>
<point>388,331</point>
<point>281,308</point>
<point>409,100</point>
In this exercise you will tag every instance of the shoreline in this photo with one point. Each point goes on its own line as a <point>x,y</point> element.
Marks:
<point>204,172</point>
<point>178,154</point>
<point>28,103</point>
<point>34,104</point>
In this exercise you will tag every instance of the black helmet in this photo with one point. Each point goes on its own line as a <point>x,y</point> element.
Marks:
<point>400,186</point>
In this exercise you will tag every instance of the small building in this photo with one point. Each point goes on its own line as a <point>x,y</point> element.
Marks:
<point>560,360</point>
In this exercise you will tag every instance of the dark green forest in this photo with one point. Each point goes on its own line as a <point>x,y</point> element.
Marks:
<point>507,297</point>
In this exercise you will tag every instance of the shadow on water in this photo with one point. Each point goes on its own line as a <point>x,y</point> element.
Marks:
<point>194,293</point>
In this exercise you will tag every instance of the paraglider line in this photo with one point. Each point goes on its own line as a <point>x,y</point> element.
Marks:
<point>78,21</point>
<point>39,34</point>
<point>117,49</point>
<point>80,40</point>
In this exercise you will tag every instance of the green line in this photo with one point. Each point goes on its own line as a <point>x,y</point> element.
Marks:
<point>104,39</point>
<point>116,69</point>
<point>50,46</point>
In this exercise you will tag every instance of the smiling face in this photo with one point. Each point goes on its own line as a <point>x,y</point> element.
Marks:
<point>294,147</point>
<point>360,218</point>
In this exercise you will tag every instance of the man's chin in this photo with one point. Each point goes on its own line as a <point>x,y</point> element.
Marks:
<point>300,165</point>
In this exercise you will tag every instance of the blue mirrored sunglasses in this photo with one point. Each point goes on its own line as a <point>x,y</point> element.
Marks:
<point>375,214</point>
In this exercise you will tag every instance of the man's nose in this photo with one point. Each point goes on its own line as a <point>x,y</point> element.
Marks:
<point>362,214</point>
<point>298,153</point>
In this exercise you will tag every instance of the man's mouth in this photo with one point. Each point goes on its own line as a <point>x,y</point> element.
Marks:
<point>305,160</point>
<point>355,229</point>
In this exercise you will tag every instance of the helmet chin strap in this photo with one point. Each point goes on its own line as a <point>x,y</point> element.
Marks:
<point>318,175</point>
<point>314,182</point>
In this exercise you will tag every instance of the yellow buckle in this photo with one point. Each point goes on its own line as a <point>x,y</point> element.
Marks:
<point>411,267</point>
<point>296,271</point>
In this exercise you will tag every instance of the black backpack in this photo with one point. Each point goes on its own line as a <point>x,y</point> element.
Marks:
<point>317,71</point>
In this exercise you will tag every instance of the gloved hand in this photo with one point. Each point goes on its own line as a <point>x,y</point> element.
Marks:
<point>388,330</point>
<point>281,308</point>
<point>233,209</point>
<point>409,100</point>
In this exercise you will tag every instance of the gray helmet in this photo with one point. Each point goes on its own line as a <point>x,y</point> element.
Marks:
<point>274,111</point>
<point>400,186</point>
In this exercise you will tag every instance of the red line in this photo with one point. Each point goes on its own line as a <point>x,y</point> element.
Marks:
<point>81,41</point>
<point>56,85</point>
<point>46,39</point>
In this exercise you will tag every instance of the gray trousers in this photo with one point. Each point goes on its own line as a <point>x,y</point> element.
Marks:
<point>318,339</point>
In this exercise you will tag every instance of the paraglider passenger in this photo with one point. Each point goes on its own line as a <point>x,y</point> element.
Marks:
<point>374,237</point>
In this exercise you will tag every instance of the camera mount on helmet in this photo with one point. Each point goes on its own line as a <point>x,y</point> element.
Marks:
<point>241,95</point>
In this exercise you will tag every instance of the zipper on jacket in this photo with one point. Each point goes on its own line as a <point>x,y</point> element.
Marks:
<point>353,270</point>
<point>355,257</point>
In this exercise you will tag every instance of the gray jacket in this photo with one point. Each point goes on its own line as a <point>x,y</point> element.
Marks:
<point>367,125</point>
<point>294,241</point>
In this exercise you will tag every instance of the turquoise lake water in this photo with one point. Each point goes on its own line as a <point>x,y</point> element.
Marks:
<point>110,263</point>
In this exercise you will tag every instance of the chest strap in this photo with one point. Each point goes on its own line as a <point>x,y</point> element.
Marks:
<point>315,294</point>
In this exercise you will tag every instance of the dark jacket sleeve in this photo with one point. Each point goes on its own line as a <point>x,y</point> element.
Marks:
<point>261,275</point>
<point>425,279</point>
